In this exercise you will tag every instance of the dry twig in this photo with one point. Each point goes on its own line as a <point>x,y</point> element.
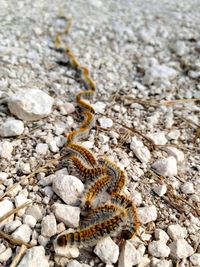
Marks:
<point>18,256</point>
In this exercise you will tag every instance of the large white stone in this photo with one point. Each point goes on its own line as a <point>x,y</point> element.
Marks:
<point>35,211</point>
<point>180,249</point>
<point>129,256</point>
<point>158,138</point>
<point>158,249</point>
<point>34,257</point>
<point>161,235</point>
<point>6,149</point>
<point>67,214</point>
<point>175,231</point>
<point>147,214</point>
<point>11,127</point>
<point>105,122</point>
<point>48,226</point>
<point>23,233</point>
<point>30,105</point>
<point>175,152</point>
<point>165,166</point>
<point>69,188</point>
<point>107,250</point>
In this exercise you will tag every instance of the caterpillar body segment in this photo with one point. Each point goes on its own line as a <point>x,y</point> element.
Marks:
<point>118,176</point>
<point>82,153</point>
<point>90,235</point>
<point>85,170</point>
<point>96,187</point>
<point>98,214</point>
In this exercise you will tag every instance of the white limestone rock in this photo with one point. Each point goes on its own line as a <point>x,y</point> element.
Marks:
<point>69,188</point>
<point>158,249</point>
<point>129,256</point>
<point>74,263</point>
<point>140,151</point>
<point>48,226</point>
<point>105,122</point>
<point>30,105</point>
<point>67,214</point>
<point>23,233</point>
<point>107,250</point>
<point>180,249</point>
<point>5,255</point>
<point>99,107</point>
<point>188,188</point>
<point>195,259</point>
<point>34,257</point>
<point>147,214</point>
<point>35,211</point>
<point>29,220</point>
<point>160,189</point>
<point>159,74</point>
<point>20,200</point>
<point>6,149</point>
<point>164,263</point>
<point>173,134</point>
<point>161,235</point>
<point>175,152</point>
<point>158,138</point>
<point>11,127</point>
<point>179,48</point>
<point>6,206</point>
<point>166,167</point>
<point>175,231</point>
<point>41,148</point>
<point>12,226</point>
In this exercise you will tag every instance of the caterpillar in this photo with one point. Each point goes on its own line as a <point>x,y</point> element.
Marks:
<point>120,213</point>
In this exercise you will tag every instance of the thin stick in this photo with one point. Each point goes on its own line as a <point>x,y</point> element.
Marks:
<point>18,256</point>
<point>8,214</point>
<point>13,240</point>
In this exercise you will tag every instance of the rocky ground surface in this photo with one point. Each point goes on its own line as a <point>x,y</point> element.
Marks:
<point>145,59</point>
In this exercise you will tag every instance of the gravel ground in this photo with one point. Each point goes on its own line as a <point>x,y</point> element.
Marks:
<point>144,58</point>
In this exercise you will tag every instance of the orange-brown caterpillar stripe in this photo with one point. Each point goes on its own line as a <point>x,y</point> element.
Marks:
<point>85,171</point>
<point>76,135</point>
<point>89,120</point>
<point>68,26</point>
<point>83,104</point>
<point>72,60</point>
<point>87,80</point>
<point>119,177</point>
<point>94,189</point>
<point>83,153</point>
<point>90,235</point>
<point>98,214</point>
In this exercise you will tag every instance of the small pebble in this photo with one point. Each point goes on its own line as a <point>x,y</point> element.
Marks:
<point>161,235</point>
<point>175,152</point>
<point>147,214</point>
<point>175,231</point>
<point>166,167</point>
<point>6,206</point>
<point>29,220</point>
<point>11,127</point>
<point>35,211</point>
<point>158,249</point>
<point>107,250</point>
<point>34,257</point>
<point>4,256</point>
<point>99,107</point>
<point>158,138</point>
<point>129,256</point>
<point>195,259</point>
<point>140,151</point>
<point>105,122</point>
<point>160,189</point>
<point>48,226</point>
<point>173,134</point>
<point>6,149</point>
<point>187,188</point>
<point>67,214</point>
<point>180,249</point>
<point>23,233</point>
<point>164,263</point>
<point>12,226</point>
<point>41,148</point>
<point>69,188</point>
<point>74,263</point>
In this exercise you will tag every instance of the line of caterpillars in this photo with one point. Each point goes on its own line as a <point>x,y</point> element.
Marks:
<point>119,214</point>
